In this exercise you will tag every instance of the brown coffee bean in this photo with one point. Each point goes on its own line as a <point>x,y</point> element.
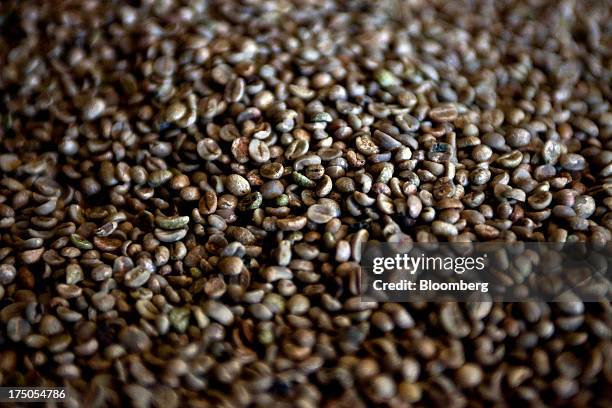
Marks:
<point>231,265</point>
<point>137,277</point>
<point>469,375</point>
<point>518,137</point>
<point>445,112</point>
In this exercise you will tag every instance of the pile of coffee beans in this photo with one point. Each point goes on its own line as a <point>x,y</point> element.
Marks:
<point>186,187</point>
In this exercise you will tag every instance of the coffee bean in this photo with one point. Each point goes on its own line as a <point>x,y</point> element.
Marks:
<point>134,339</point>
<point>103,301</point>
<point>208,149</point>
<point>231,265</point>
<point>272,189</point>
<point>101,272</point>
<point>159,177</point>
<point>572,161</point>
<point>237,185</point>
<point>445,112</point>
<point>540,200</point>
<point>453,321</point>
<point>320,213</point>
<point>17,329</point>
<point>259,151</point>
<point>172,223</point>
<point>383,387</point>
<point>510,160</point>
<point>251,201</point>
<point>93,108</point>
<point>444,229</point>
<point>518,137</point>
<point>107,244</point>
<point>50,325</point>
<point>7,274</point>
<point>170,235</point>
<point>469,375</point>
<point>302,180</point>
<point>179,319</point>
<point>272,171</point>
<point>80,242</point>
<point>74,274</point>
<point>219,312</point>
<point>584,206</point>
<point>137,277</point>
